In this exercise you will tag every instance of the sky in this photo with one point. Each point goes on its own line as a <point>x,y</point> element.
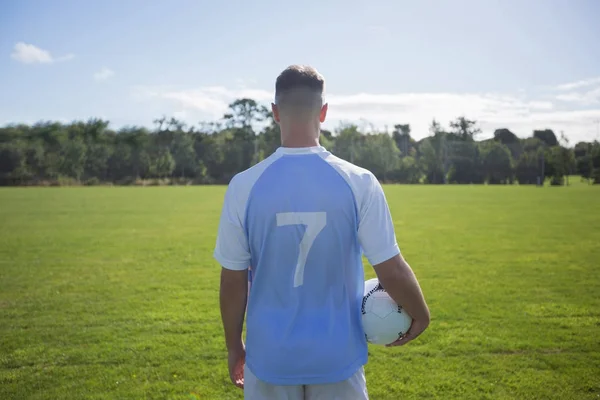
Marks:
<point>515,64</point>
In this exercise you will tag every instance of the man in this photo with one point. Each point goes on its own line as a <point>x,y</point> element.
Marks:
<point>301,220</point>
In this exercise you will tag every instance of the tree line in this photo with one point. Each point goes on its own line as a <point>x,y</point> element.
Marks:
<point>88,152</point>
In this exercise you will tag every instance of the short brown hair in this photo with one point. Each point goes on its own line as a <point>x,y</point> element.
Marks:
<point>299,78</point>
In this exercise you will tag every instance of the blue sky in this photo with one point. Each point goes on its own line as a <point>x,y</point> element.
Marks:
<point>523,65</point>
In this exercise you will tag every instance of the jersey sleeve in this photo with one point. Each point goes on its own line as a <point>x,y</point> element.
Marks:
<point>232,250</point>
<point>375,228</point>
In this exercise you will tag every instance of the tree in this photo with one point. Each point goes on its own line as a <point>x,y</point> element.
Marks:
<point>595,156</point>
<point>408,171</point>
<point>430,161</point>
<point>138,140</point>
<point>532,144</point>
<point>12,163</point>
<point>464,129</point>
<point>35,158</point>
<point>583,159</point>
<point>379,154</point>
<point>270,137</point>
<point>74,153</point>
<point>433,154</point>
<point>96,160</point>
<point>184,155</point>
<point>163,165</point>
<point>505,136</point>
<point>547,136</point>
<point>244,113</point>
<point>324,132</point>
<point>510,140</point>
<point>554,164</point>
<point>567,157</point>
<point>526,170</point>
<point>465,162</point>
<point>404,142</point>
<point>119,163</point>
<point>348,141</point>
<point>536,151</point>
<point>212,152</point>
<point>497,163</point>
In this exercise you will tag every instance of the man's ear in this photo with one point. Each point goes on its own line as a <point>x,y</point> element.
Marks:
<point>323,113</point>
<point>275,112</point>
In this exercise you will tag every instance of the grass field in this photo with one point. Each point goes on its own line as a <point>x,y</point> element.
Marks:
<point>112,293</point>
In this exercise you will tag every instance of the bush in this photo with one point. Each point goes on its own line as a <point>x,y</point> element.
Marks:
<point>527,170</point>
<point>66,181</point>
<point>180,181</point>
<point>128,180</point>
<point>93,181</point>
<point>557,181</point>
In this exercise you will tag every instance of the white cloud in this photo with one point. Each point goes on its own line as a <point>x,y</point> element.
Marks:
<point>181,115</point>
<point>244,83</point>
<point>30,54</point>
<point>588,97</point>
<point>211,101</point>
<point>583,93</point>
<point>104,74</point>
<point>579,84</point>
<point>492,111</point>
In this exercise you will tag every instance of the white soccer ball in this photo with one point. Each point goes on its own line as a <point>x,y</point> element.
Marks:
<point>384,321</point>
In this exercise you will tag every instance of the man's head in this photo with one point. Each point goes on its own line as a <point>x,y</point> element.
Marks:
<point>299,97</point>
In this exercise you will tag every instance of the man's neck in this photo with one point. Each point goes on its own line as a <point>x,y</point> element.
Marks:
<point>299,138</point>
<point>300,143</point>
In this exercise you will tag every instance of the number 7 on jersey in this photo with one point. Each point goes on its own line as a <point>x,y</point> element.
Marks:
<point>315,222</point>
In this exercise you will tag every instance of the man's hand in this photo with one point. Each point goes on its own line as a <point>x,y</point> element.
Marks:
<point>236,361</point>
<point>416,328</point>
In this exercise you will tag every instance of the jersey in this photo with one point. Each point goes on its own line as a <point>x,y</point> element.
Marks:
<point>302,219</point>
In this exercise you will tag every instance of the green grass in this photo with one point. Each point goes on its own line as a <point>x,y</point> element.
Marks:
<point>112,293</point>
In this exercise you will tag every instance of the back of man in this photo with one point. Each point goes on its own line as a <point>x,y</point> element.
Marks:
<point>301,219</point>
<point>304,304</point>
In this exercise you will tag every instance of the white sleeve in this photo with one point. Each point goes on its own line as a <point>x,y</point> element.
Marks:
<point>375,228</point>
<point>232,250</point>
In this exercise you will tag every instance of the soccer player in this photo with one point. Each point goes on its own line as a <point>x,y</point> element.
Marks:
<point>301,220</point>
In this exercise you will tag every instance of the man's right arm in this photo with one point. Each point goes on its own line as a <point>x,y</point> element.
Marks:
<point>399,281</point>
<point>378,239</point>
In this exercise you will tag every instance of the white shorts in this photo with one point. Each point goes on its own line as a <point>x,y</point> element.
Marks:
<point>354,388</point>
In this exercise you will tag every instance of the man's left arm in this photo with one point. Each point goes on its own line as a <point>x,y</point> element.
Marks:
<point>233,297</point>
<point>233,253</point>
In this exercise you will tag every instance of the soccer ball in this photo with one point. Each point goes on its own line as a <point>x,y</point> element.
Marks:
<point>384,321</point>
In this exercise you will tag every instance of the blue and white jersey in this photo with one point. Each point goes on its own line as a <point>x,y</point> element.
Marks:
<point>301,219</point>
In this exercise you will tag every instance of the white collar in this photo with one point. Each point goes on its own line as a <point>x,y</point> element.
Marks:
<point>301,150</point>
